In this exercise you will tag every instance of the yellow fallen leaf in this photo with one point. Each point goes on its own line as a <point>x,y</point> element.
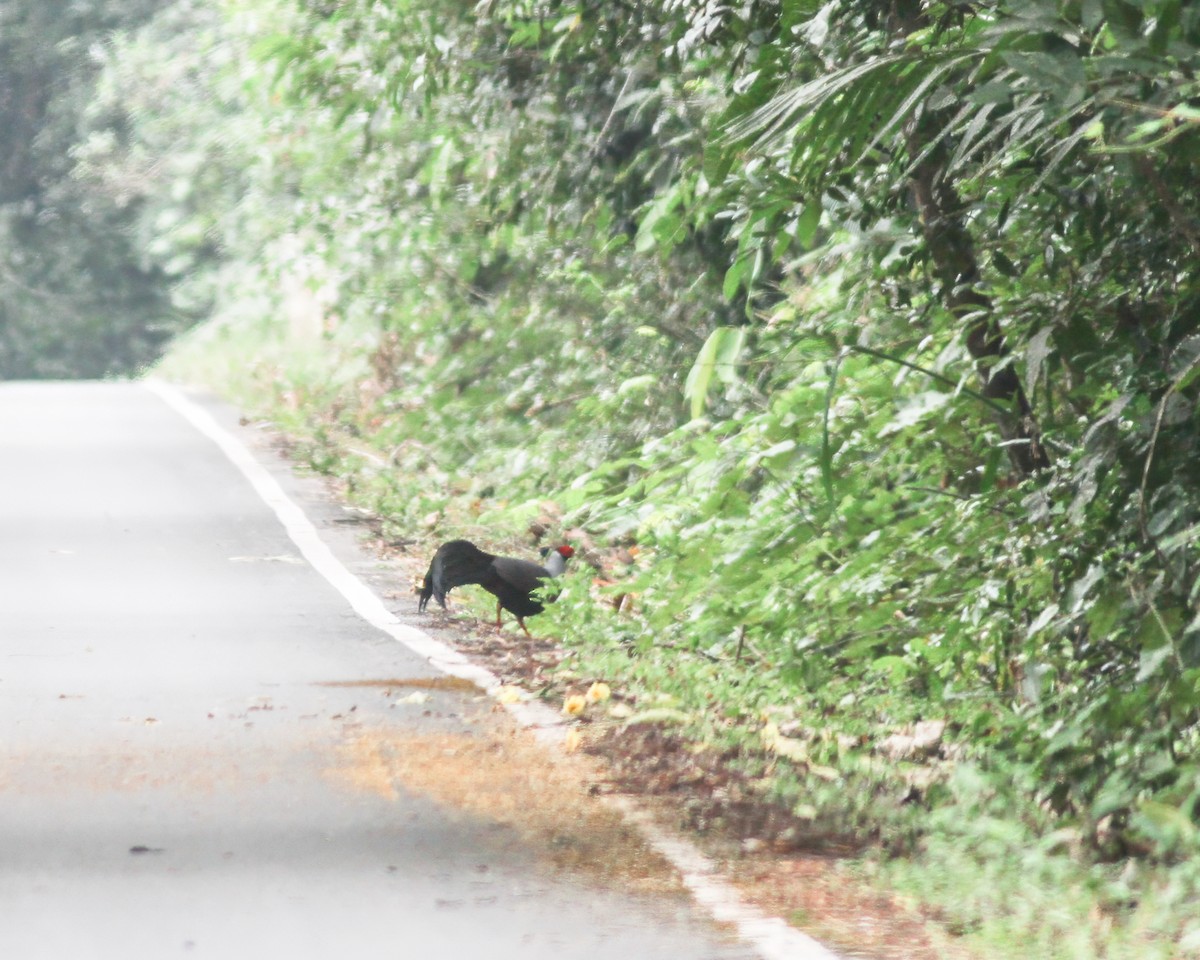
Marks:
<point>508,694</point>
<point>795,750</point>
<point>788,747</point>
<point>598,692</point>
<point>573,740</point>
<point>574,705</point>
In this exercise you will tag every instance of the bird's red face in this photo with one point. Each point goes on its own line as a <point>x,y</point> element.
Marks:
<point>565,551</point>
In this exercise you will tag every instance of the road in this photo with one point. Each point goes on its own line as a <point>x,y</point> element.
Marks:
<point>208,753</point>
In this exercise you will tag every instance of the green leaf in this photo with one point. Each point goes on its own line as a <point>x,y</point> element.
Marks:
<point>659,221</point>
<point>1166,22</point>
<point>1180,539</point>
<point>896,668</point>
<point>718,161</point>
<point>1043,620</point>
<point>1164,823</point>
<point>695,388</point>
<point>1002,263</point>
<point>1185,363</point>
<point>729,351</point>
<point>1151,662</point>
<point>797,11</point>
<point>718,357</point>
<point>1037,350</point>
<point>808,222</point>
<point>1059,75</point>
<point>912,410</point>
<point>733,277</point>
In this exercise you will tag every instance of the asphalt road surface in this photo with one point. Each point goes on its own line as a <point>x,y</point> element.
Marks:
<point>186,705</point>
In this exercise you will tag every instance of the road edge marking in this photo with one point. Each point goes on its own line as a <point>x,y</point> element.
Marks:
<point>770,936</point>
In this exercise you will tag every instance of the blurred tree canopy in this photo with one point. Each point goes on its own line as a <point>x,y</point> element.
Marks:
<point>77,298</point>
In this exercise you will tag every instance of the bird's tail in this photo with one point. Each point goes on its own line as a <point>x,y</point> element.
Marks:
<point>455,564</point>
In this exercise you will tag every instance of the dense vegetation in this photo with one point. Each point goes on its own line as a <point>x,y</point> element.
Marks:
<point>77,295</point>
<point>873,327</point>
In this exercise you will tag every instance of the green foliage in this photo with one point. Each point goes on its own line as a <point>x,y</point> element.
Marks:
<point>1038,146</point>
<point>76,299</point>
<point>869,335</point>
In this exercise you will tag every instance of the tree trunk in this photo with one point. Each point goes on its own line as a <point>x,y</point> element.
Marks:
<point>952,254</point>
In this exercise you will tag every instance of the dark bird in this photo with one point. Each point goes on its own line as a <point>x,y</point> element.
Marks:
<point>511,580</point>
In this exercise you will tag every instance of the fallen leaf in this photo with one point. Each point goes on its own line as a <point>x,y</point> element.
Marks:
<point>598,692</point>
<point>786,747</point>
<point>508,694</point>
<point>923,740</point>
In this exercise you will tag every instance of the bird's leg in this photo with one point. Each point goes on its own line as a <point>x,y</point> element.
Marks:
<point>521,621</point>
<point>498,609</point>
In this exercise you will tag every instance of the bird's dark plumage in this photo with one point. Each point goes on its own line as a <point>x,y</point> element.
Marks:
<point>511,580</point>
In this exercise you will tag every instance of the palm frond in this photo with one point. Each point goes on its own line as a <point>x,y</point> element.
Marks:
<point>834,122</point>
<point>837,119</point>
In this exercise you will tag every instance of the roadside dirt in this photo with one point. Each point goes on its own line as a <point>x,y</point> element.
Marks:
<point>510,781</point>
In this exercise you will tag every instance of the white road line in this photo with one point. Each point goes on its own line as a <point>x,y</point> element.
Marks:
<point>770,936</point>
